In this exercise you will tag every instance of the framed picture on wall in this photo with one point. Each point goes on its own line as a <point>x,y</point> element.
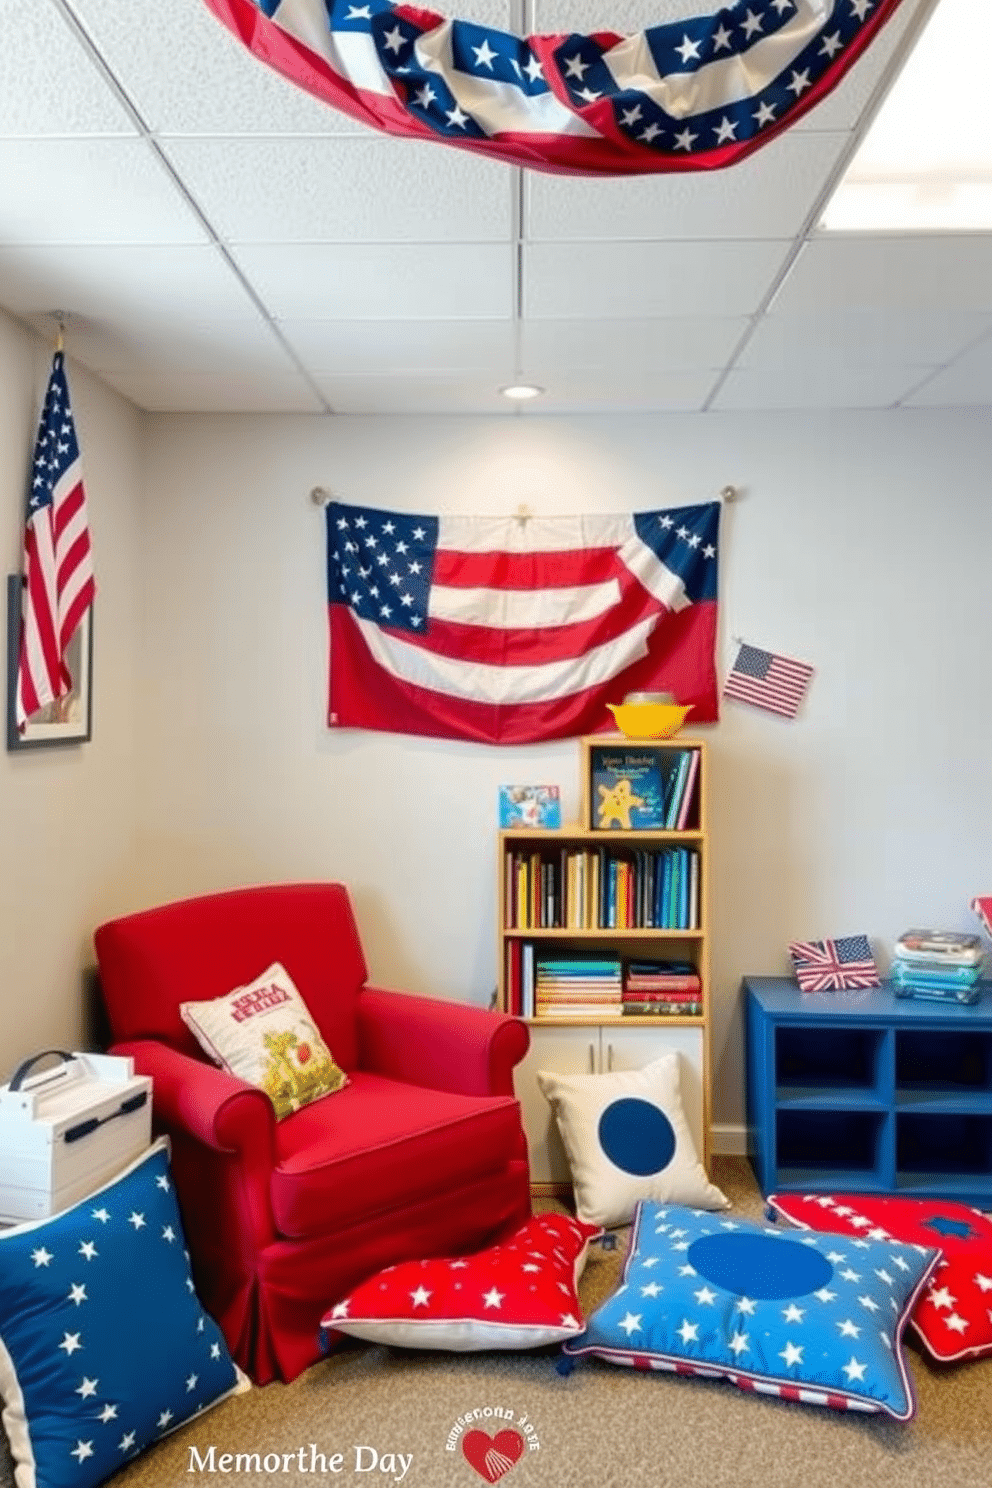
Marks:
<point>70,720</point>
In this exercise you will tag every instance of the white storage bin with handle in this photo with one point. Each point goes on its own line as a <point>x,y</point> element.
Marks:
<point>66,1129</point>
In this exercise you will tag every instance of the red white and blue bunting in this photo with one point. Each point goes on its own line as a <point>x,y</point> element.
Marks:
<point>689,95</point>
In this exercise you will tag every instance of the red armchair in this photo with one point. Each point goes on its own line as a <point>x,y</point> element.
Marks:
<point>421,1154</point>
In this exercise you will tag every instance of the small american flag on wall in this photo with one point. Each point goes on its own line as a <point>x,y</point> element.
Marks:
<point>833,965</point>
<point>767,680</point>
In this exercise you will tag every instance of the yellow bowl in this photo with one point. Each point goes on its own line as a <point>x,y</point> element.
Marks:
<point>649,720</point>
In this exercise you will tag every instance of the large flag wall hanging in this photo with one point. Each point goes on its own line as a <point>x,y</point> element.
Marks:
<point>687,95</point>
<point>58,584</point>
<point>508,630</point>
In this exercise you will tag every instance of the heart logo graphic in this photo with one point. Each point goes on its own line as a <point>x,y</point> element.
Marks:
<point>492,1456</point>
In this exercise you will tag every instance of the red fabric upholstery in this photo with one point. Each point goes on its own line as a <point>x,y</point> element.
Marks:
<point>199,949</point>
<point>382,1144</point>
<point>421,1154</point>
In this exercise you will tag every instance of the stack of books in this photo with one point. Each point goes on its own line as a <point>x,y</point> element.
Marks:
<point>669,989</point>
<point>941,964</point>
<point>573,988</point>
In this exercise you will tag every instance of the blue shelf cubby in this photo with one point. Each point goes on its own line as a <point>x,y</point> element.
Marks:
<point>866,1092</point>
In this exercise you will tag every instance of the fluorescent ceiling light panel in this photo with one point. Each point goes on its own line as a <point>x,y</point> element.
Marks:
<point>925,164</point>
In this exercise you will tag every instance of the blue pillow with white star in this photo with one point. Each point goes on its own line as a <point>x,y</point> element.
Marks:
<point>104,1344</point>
<point>809,1317</point>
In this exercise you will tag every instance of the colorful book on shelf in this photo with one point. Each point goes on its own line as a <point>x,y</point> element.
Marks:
<point>527,979</point>
<point>676,788</point>
<point>931,974</point>
<point>691,1009</point>
<point>627,790</point>
<point>678,977</point>
<point>688,791</point>
<point>950,947</point>
<point>529,806</point>
<point>643,996</point>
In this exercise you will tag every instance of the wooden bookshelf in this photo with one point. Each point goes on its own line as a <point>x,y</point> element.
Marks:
<point>565,892</point>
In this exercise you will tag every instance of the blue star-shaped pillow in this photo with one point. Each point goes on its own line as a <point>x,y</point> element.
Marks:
<point>810,1317</point>
<point>104,1344</point>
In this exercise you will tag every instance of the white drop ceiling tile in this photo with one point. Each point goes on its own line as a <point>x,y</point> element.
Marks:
<point>664,344</point>
<point>361,347</point>
<point>48,83</point>
<point>151,288</point>
<point>90,191</point>
<point>414,394</point>
<point>345,189</point>
<point>412,281</point>
<point>806,385</point>
<point>861,338</point>
<point>966,383</point>
<point>578,281</point>
<point>187,74</point>
<point>769,195</point>
<point>842,108</point>
<point>628,390</point>
<point>923,273</point>
<point>166,391</point>
<point>210,348</point>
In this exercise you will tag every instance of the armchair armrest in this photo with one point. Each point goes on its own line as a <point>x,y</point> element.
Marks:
<point>201,1101</point>
<point>440,1045</point>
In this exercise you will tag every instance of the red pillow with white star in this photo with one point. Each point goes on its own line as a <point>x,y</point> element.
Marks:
<point>954,1314</point>
<point>516,1295</point>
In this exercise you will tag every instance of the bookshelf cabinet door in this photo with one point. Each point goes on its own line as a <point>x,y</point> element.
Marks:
<point>568,1051</point>
<point>600,1050</point>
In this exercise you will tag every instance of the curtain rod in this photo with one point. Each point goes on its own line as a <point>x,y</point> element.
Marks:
<point>320,497</point>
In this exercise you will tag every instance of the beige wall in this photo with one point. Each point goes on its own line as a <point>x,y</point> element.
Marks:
<point>861,544</point>
<point>68,814</point>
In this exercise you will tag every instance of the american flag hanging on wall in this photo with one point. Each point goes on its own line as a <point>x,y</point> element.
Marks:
<point>687,95</point>
<point>505,630</point>
<point>58,585</point>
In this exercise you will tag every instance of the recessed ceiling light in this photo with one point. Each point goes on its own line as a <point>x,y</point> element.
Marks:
<point>520,391</point>
<point>925,164</point>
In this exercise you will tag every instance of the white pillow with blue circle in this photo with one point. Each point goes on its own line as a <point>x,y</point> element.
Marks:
<point>627,1140</point>
<point>104,1345</point>
<point>810,1317</point>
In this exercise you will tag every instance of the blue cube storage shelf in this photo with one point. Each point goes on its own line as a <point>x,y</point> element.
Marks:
<point>866,1092</point>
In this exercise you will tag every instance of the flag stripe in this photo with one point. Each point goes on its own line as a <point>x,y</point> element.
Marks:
<point>507,609</point>
<point>500,682</point>
<point>497,569</point>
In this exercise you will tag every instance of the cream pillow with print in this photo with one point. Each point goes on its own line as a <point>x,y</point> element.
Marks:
<point>264,1034</point>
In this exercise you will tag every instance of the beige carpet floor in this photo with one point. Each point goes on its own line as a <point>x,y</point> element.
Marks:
<point>389,1413</point>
